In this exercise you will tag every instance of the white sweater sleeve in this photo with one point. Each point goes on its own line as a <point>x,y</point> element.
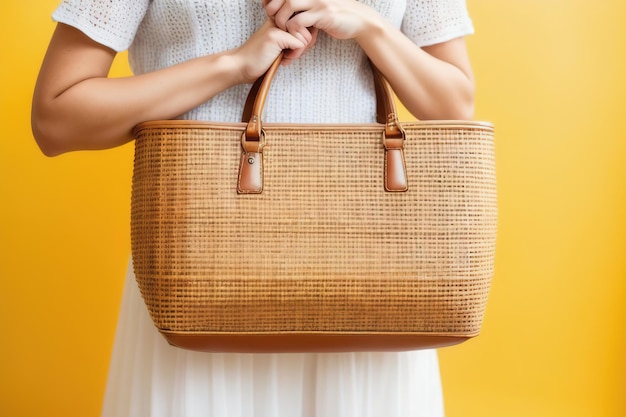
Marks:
<point>428,22</point>
<point>111,23</point>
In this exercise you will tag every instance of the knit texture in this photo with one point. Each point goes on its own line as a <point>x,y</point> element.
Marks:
<point>333,78</point>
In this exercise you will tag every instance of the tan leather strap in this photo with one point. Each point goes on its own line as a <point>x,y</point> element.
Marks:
<point>251,168</point>
<point>386,105</point>
<point>256,102</point>
<point>386,112</point>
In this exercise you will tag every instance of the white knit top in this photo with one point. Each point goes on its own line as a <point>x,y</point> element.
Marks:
<point>332,80</point>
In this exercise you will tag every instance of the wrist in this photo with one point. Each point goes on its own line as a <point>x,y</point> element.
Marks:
<point>232,67</point>
<point>372,28</point>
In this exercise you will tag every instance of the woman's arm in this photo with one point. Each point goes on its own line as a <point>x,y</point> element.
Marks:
<point>434,82</point>
<point>75,106</point>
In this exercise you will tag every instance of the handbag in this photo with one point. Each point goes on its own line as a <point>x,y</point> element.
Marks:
<point>271,237</point>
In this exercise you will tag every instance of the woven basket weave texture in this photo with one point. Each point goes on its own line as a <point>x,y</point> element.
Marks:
<point>324,248</point>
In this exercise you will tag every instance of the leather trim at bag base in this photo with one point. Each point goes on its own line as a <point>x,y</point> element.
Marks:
<point>306,343</point>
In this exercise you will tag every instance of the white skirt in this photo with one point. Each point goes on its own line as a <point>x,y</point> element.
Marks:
<point>150,378</point>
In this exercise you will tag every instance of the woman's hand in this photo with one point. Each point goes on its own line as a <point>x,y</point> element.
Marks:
<point>341,19</point>
<point>261,49</point>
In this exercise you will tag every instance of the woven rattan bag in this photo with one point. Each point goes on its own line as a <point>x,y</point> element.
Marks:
<point>251,237</point>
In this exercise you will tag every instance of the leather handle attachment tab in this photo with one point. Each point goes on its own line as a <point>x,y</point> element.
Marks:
<point>250,179</point>
<point>394,136</point>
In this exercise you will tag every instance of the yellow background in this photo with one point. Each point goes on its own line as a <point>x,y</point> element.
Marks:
<point>551,75</point>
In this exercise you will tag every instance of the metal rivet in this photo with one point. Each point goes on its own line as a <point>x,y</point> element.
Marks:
<point>251,161</point>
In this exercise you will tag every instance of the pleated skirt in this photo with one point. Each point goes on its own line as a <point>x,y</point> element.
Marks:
<point>150,378</point>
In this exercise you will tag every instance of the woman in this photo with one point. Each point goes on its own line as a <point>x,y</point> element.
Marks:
<point>196,60</point>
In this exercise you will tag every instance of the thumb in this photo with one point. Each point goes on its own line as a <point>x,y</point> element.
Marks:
<point>285,40</point>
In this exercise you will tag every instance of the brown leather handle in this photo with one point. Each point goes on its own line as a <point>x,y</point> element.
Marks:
<point>386,112</point>
<point>253,109</point>
<point>250,179</point>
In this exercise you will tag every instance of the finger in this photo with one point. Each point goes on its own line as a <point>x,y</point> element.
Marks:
<point>306,19</point>
<point>282,16</point>
<point>303,34</point>
<point>285,40</point>
<point>293,54</point>
<point>313,31</point>
<point>272,7</point>
<point>301,31</point>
